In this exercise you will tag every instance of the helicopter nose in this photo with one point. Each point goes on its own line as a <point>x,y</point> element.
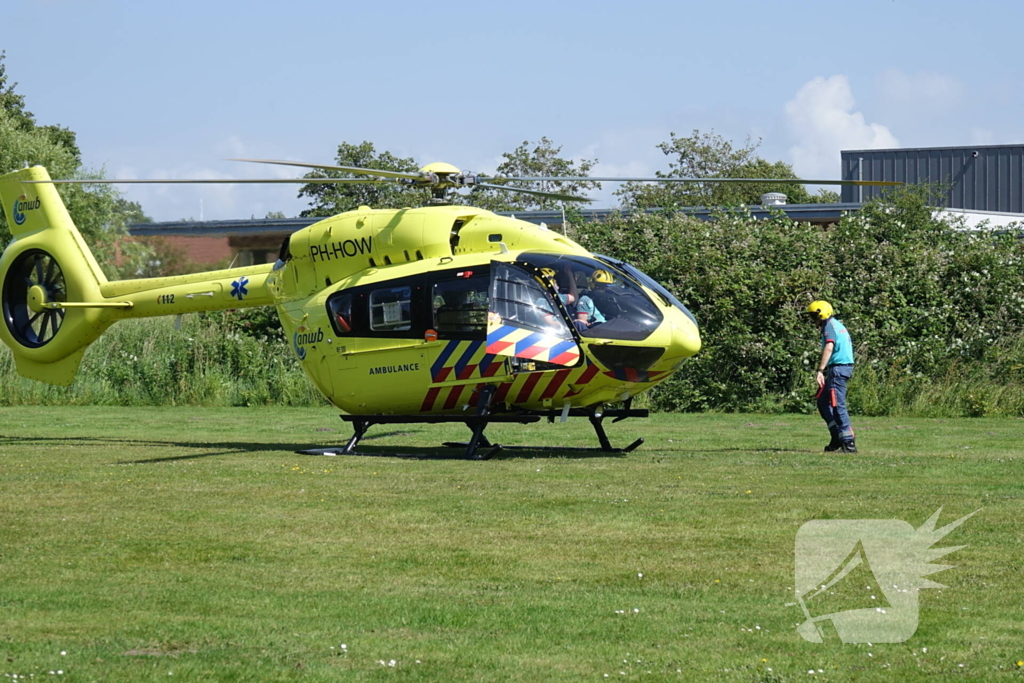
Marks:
<point>685,337</point>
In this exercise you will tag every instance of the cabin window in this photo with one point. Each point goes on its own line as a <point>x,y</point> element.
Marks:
<point>340,306</point>
<point>460,305</point>
<point>391,309</point>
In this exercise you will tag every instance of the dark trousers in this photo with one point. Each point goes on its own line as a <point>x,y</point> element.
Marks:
<point>832,402</point>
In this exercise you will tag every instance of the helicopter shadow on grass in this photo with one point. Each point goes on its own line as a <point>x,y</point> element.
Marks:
<point>218,448</point>
<point>236,447</point>
<point>456,453</point>
<point>406,453</point>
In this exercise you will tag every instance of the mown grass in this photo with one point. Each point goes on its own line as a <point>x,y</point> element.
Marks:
<point>193,544</point>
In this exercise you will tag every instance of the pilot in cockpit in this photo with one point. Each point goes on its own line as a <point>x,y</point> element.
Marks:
<point>581,307</point>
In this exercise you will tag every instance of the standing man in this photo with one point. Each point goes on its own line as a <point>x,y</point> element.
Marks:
<point>834,370</point>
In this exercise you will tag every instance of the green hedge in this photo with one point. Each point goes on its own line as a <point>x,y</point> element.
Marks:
<point>936,312</point>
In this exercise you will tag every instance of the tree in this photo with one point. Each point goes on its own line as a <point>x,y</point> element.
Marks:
<point>99,211</point>
<point>708,155</point>
<point>20,120</point>
<point>12,103</point>
<point>327,199</point>
<point>825,196</point>
<point>542,160</point>
<point>164,258</point>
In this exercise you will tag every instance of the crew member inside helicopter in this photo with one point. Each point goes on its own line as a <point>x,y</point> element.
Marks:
<point>581,307</point>
<point>608,292</point>
<point>588,310</point>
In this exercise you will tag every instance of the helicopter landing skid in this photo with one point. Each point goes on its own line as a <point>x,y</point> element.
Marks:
<point>477,424</point>
<point>596,420</point>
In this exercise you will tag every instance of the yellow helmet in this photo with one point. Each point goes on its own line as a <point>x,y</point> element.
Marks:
<point>821,310</point>
<point>548,273</point>
<point>601,277</point>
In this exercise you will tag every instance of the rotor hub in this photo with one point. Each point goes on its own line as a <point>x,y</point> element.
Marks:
<point>441,178</point>
<point>36,298</point>
<point>440,168</point>
<point>33,280</point>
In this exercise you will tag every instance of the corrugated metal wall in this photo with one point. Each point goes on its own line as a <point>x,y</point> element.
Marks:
<point>987,178</point>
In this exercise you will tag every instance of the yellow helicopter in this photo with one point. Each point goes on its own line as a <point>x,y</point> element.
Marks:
<point>443,313</point>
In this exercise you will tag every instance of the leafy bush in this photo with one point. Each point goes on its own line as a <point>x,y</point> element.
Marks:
<point>929,305</point>
<point>209,361</point>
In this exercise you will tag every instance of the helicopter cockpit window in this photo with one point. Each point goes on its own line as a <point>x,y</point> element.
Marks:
<point>601,301</point>
<point>522,301</point>
<point>460,305</point>
<point>391,309</point>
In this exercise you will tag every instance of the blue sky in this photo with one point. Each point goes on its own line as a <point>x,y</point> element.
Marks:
<point>170,89</point>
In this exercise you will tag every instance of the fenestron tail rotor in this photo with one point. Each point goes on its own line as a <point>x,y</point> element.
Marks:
<point>34,280</point>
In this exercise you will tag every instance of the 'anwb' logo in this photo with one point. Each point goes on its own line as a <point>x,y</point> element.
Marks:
<point>23,204</point>
<point>863,575</point>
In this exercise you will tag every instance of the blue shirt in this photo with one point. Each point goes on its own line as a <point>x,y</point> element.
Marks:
<point>842,351</point>
<point>584,305</point>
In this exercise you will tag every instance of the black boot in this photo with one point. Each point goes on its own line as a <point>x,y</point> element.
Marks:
<point>834,445</point>
<point>848,447</point>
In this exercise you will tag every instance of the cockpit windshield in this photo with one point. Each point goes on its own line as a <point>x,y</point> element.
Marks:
<point>651,283</point>
<point>600,300</point>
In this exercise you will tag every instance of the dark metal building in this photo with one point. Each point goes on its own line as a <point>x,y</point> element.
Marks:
<point>977,178</point>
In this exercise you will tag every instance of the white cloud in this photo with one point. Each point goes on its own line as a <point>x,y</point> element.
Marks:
<point>921,91</point>
<point>823,123</point>
<point>626,152</point>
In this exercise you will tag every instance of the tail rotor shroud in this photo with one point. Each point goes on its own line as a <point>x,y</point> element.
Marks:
<point>34,279</point>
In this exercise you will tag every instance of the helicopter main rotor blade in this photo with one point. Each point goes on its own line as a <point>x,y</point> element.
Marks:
<point>788,181</point>
<point>538,193</point>
<point>174,181</point>
<point>347,169</point>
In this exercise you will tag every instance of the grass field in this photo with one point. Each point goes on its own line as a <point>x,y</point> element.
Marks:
<point>193,544</point>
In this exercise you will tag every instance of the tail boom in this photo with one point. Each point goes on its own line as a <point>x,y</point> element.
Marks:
<point>56,299</point>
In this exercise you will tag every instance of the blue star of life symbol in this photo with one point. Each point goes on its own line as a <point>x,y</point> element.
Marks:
<point>238,288</point>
